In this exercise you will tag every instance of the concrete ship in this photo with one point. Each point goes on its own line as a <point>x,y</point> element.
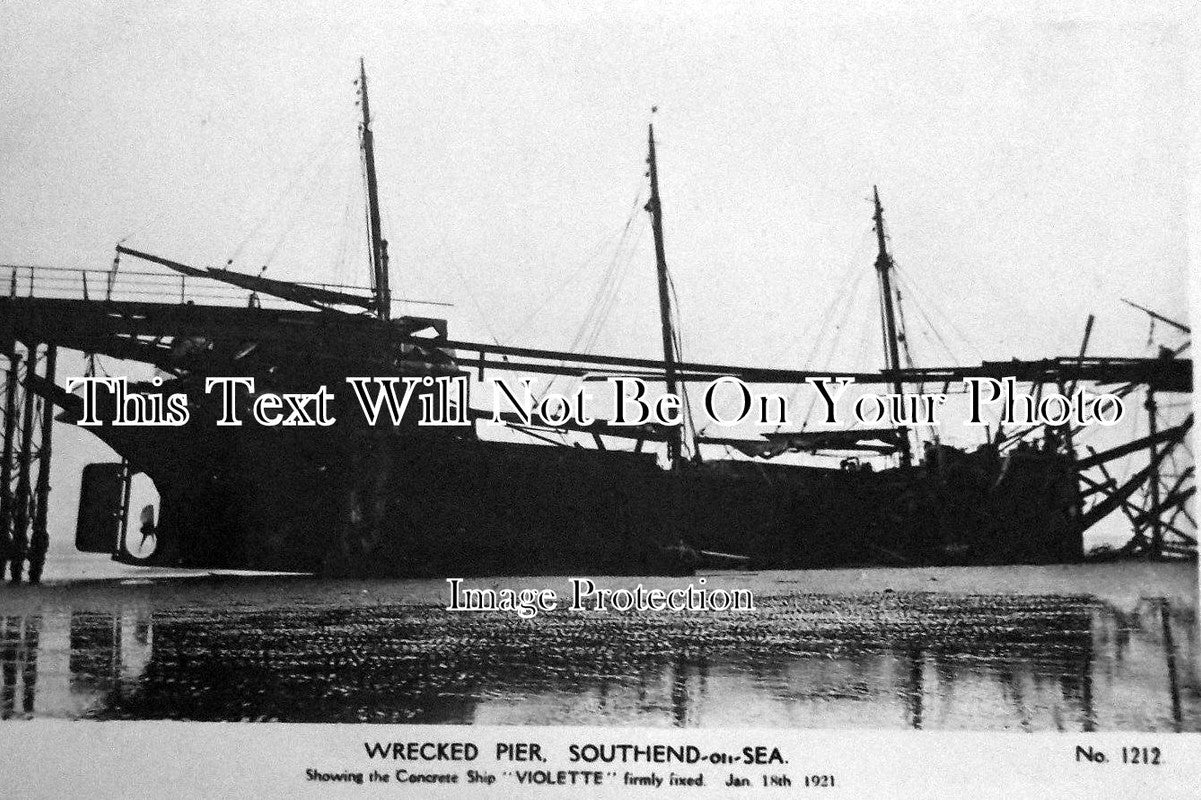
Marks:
<point>405,499</point>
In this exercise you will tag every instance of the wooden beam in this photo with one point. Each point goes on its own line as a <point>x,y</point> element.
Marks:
<point>1166,435</point>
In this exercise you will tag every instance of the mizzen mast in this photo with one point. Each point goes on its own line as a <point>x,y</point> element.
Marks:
<point>674,435</point>
<point>892,356</point>
<point>379,245</point>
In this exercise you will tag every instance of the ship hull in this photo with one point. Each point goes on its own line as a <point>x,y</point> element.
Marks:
<point>385,501</point>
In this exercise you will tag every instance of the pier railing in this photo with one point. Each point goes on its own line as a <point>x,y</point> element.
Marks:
<point>136,285</point>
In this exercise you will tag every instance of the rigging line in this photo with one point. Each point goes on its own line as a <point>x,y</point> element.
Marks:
<point>852,275</point>
<point>475,302</point>
<point>613,293</point>
<point>865,332</point>
<point>844,303</point>
<point>678,341</point>
<point>934,343</point>
<point>595,251</point>
<point>686,401</point>
<point>678,330</point>
<point>861,347</point>
<point>599,304</point>
<point>563,435</point>
<point>679,318</point>
<point>609,304</point>
<point>836,334</point>
<point>956,223</point>
<point>635,213</point>
<point>882,300</point>
<point>905,280</point>
<point>345,225</point>
<point>850,270</point>
<point>305,163</point>
<point>844,295</point>
<point>609,270</point>
<point>946,347</point>
<point>597,301</point>
<point>369,245</point>
<point>622,242</point>
<point>904,334</point>
<point>607,294</point>
<point>589,328</point>
<point>825,328</point>
<point>345,231</point>
<point>146,225</point>
<point>839,326</point>
<point>918,432</point>
<point>454,262</point>
<point>916,288</point>
<point>294,217</point>
<point>164,209</point>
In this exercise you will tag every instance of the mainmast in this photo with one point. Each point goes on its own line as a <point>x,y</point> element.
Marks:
<point>891,341</point>
<point>379,246</point>
<point>669,349</point>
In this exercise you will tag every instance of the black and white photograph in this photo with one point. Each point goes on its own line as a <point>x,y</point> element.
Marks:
<point>596,372</point>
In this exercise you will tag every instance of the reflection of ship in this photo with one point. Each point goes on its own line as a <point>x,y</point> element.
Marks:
<point>404,499</point>
<point>900,660</point>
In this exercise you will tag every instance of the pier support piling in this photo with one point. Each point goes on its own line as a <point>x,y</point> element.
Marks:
<point>28,420</point>
<point>24,492</point>
<point>6,458</point>
<point>1156,522</point>
<point>40,541</point>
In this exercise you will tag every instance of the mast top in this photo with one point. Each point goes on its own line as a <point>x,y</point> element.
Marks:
<point>882,258</point>
<point>650,158</point>
<point>363,93</point>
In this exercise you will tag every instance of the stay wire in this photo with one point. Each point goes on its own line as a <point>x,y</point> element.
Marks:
<point>297,174</point>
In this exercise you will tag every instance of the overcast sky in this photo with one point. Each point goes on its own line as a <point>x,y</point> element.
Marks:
<point>1033,163</point>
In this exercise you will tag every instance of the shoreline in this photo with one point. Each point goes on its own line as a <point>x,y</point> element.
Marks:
<point>1122,584</point>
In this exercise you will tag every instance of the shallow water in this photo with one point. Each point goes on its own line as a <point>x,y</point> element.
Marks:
<point>855,656</point>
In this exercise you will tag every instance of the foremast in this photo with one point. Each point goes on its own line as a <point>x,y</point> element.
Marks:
<point>379,245</point>
<point>670,358</point>
<point>892,357</point>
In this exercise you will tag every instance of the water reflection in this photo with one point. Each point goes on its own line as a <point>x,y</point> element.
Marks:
<point>883,661</point>
<point>18,665</point>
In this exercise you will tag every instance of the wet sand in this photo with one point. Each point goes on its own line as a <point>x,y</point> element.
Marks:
<point>1080,647</point>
